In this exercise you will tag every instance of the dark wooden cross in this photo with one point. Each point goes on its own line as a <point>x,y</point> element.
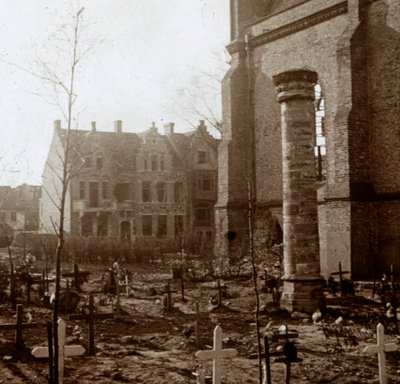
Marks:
<point>168,296</point>
<point>90,318</point>
<point>340,273</point>
<point>18,326</point>
<point>289,351</point>
<point>79,277</point>
<point>182,255</point>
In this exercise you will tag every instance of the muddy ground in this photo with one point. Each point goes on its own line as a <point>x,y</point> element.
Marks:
<point>146,343</point>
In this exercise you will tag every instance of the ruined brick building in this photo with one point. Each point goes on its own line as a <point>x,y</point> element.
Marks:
<point>134,188</point>
<point>334,64</point>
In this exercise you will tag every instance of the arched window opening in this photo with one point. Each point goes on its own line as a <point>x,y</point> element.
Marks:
<point>320,142</point>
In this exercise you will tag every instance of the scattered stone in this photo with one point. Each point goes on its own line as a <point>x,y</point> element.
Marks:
<point>128,340</point>
<point>316,316</point>
<point>7,358</point>
<point>339,320</point>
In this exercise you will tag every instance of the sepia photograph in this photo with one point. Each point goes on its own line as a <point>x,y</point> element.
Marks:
<point>199,191</point>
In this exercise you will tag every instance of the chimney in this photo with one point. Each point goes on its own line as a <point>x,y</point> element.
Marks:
<point>202,126</point>
<point>169,128</point>
<point>118,126</point>
<point>153,128</point>
<point>57,124</point>
<point>93,126</point>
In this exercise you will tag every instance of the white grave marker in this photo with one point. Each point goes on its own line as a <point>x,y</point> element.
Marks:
<point>381,348</point>
<point>217,354</point>
<point>63,350</point>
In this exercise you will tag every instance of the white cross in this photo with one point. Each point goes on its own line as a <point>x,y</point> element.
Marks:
<point>381,348</point>
<point>63,350</point>
<point>217,354</point>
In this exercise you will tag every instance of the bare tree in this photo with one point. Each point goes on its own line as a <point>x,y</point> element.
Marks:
<point>202,99</point>
<point>62,85</point>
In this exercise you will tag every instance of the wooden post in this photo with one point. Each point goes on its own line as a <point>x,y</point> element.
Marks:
<point>63,350</point>
<point>217,354</point>
<point>381,348</point>
<point>50,344</point>
<point>182,278</point>
<point>117,291</point>
<point>90,318</point>
<point>267,361</point>
<point>67,298</point>
<point>168,292</point>
<point>219,293</point>
<point>197,326</point>
<point>201,375</point>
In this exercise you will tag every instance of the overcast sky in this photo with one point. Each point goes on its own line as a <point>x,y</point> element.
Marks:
<point>148,65</point>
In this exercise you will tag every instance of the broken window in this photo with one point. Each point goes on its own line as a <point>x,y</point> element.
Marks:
<point>146,191</point>
<point>161,192</point>
<point>81,189</point>
<point>320,142</point>
<point>145,161</point>
<point>153,162</point>
<point>125,232</point>
<point>13,216</point>
<point>86,225</point>
<point>93,194</point>
<point>201,157</point>
<point>203,215</point>
<point>105,190</point>
<point>206,181</point>
<point>178,192</point>
<point>99,163</point>
<point>178,225</point>
<point>122,192</point>
<point>147,225</point>
<point>162,161</point>
<point>162,226</point>
<point>102,226</point>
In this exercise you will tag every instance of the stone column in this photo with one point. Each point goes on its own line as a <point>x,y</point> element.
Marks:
<point>302,289</point>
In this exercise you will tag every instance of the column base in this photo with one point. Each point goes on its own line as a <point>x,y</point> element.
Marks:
<point>302,295</point>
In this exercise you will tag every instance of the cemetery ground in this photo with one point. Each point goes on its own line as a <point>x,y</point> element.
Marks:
<point>147,342</point>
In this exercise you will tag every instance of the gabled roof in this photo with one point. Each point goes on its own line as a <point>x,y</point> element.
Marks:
<point>120,147</point>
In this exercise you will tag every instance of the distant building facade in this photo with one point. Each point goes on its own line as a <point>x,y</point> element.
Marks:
<point>134,188</point>
<point>19,207</point>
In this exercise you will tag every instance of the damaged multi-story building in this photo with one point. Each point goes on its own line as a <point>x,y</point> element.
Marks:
<point>134,188</point>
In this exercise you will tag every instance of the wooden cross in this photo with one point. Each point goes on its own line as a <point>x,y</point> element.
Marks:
<point>381,348</point>
<point>217,354</point>
<point>18,326</point>
<point>90,318</point>
<point>182,255</point>
<point>168,296</point>
<point>79,277</point>
<point>63,350</point>
<point>340,273</point>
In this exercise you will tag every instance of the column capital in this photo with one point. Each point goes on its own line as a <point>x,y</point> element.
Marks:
<point>295,84</point>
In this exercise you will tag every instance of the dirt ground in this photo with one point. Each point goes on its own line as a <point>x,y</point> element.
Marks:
<point>146,343</point>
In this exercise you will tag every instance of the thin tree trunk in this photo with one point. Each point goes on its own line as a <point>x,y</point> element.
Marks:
<point>65,181</point>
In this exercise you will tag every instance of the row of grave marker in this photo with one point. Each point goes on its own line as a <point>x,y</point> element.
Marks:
<point>216,354</point>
